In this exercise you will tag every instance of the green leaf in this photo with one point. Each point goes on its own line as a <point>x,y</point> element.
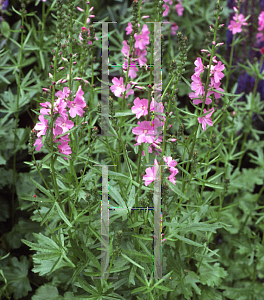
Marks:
<point>5,29</point>
<point>132,261</point>
<point>146,149</point>
<point>42,60</point>
<point>211,275</point>
<point>86,286</point>
<point>187,241</point>
<point>176,190</point>
<point>42,189</point>
<point>62,215</point>
<point>17,276</point>
<point>46,292</point>
<point>113,192</point>
<point>124,113</point>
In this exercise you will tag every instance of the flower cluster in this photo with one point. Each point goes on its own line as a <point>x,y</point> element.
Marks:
<point>198,87</point>
<point>62,123</point>
<point>152,172</point>
<point>260,35</point>
<point>146,131</point>
<point>236,24</point>
<point>178,8</point>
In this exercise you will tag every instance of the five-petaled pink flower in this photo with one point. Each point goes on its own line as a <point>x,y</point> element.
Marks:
<point>118,88</point>
<point>197,85</point>
<point>141,107</point>
<point>42,126</point>
<point>76,106</point>
<point>64,123</point>
<point>216,71</point>
<point>206,119</point>
<point>142,40</point>
<point>151,173</point>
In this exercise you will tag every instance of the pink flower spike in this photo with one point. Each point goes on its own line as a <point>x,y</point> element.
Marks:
<point>206,119</point>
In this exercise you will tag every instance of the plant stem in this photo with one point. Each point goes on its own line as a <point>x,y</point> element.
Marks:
<point>16,124</point>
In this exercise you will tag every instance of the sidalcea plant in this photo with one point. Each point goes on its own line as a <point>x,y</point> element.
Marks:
<point>156,128</point>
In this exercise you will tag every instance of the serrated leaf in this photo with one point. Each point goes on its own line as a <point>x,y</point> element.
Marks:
<point>211,275</point>
<point>17,276</point>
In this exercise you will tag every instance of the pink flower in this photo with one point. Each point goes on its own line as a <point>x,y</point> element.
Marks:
<point>261,21</point>
<point>143,39</point>
<point>170,162</point>
<point>150,174</point>
<point>64,93</point>
<point>76,106</point>
<point>197,85</point>
<point>179,8</point>
<point>145,132</point>
<point>140,56</point>
<point>241,19</point>
<point>65,148</point>
<point>118,88</point>
<point>129,90</point>
<point>199,66</point>
<point>206,119</point>
<point>125,49</point>
<point>216,71</point>
<point>57,131</point>
<point>166,11</point>
<point>141,107</point>
<point>39,144</point>
<point>64,123</point>
<point>42,126</point>
<point>132,72</point>
<point>234,27</point>
<point>199,99</point>
<point>215,86</point>
<point>174,28</point>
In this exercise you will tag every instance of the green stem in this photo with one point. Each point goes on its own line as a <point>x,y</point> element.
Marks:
<point>16,124</point>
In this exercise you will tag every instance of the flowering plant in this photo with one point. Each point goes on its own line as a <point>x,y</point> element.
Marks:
<point>137,182</point>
